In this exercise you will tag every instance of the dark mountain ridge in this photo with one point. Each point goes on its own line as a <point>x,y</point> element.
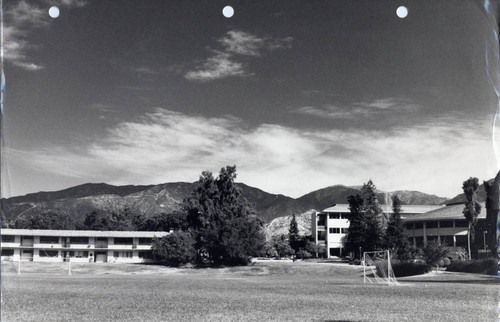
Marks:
<point>152,199</point>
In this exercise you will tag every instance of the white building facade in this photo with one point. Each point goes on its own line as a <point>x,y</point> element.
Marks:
<point>330,226</point>
<point>77,245</point>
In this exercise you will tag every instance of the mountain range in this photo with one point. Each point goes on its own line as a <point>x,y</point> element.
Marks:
<point>152,199</point>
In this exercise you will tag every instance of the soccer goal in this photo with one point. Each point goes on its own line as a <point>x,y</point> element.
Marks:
<point>377,268</point>
<point>25,264</point>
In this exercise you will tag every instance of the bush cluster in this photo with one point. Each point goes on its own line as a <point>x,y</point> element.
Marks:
<point>403,268</point>
<point>481,266</point>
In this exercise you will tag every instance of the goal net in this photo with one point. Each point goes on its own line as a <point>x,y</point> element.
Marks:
<point>25,265</point>
<point>377,268</point>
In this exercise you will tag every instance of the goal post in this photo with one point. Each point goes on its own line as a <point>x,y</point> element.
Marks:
<point>377,268</point>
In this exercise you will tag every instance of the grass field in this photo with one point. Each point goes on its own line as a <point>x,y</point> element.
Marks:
<point>276,291</point>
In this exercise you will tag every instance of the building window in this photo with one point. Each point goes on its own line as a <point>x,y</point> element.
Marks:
<point>8,239</point>
<point>334,216</point>
<point>123,241</point>
<point>48,253</point>
<point>116,254</point>
<point>127,254</point>
<point>446,224</point>
<point>419,225</point>
<point>335,230</point>
<point>344,230</point>
<point>419,241</point>
<point>321,219</point>
<point>321,235</point>
<point>344,216</point>
<point>334,251</point>
<point>49,240</point>
<point>145,241</point>
<point>79,254</point>
<point>461,241</point>
<point>7,252</point>
<point>461,223</point>
<point>432,239</point>
<point>409,226</point>
<point>79,240</point>
<point>146,255</point>
<point>447,240</point>
<point>431,224</point>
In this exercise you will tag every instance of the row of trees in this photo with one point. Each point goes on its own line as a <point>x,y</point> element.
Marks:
<point>366,219</point>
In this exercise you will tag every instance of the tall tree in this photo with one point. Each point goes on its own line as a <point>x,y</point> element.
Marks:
<point>372,216</point>
<point>226,228</point>
<point>492,188</point>
<point>395,237</point>
<point>354,241</point>
<point>293,235</point>
<point>472,207</point>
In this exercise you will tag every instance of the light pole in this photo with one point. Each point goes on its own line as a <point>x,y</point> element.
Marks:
<point>484,239</point>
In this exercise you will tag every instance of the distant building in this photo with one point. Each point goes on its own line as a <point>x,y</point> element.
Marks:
<point>330,225</point>
<point>445,225</point>
<point>77,245</point>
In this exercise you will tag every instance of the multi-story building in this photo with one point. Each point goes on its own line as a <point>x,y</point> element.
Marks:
<point>445,225</point>
<point>330,225</point>
<point>77,245</point>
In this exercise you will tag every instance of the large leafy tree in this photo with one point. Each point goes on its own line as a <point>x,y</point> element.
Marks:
<point>226,229</point>
<point>395,237</point>
<point>472,207</point>
<point>163,222</point>
<point>45,220</point>
<point>175,249</point>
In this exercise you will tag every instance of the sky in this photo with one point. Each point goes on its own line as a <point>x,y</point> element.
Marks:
<point>299,95</point>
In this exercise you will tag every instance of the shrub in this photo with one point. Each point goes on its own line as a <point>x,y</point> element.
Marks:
<point>175,249</point>
<point>404,268</point>
<point>433,253</point>
<point>446,262</point>
<point>303,254</point>
<point>482,266</point>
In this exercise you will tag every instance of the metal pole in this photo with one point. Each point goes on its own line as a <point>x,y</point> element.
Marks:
<point>19,266</point>
<point>388,267</point>
<point>69,266</point>
<point>484,239</point>
<point>364,268</point>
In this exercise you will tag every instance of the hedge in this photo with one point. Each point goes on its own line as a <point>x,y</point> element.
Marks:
<point>481,266</point>
<point>403,268</point>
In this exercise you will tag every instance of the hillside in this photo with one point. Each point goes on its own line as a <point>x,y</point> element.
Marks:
<point>279,226</point>
<point>152,199</point>
<point>460,198</point>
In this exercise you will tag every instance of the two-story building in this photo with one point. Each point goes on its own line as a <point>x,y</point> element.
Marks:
<point>445,225</point>
<point>330,225</point>
<point>77,245</point>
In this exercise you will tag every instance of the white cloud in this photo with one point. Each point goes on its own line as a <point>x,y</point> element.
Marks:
<point>20,21</point>
<point>359,109</point>
<point>28,66</point>
<point>166,146</point>
<point>216,67</point>
<point>226,62</point>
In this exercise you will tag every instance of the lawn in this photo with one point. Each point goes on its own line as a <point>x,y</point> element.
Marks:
<point>277,291</point>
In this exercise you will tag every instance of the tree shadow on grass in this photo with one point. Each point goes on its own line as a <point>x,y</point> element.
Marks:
<point>481,280</point>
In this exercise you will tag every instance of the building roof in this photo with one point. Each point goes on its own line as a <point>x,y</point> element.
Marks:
<point>449,212</point>
<point>409,209</point>
<point>81,233</point>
